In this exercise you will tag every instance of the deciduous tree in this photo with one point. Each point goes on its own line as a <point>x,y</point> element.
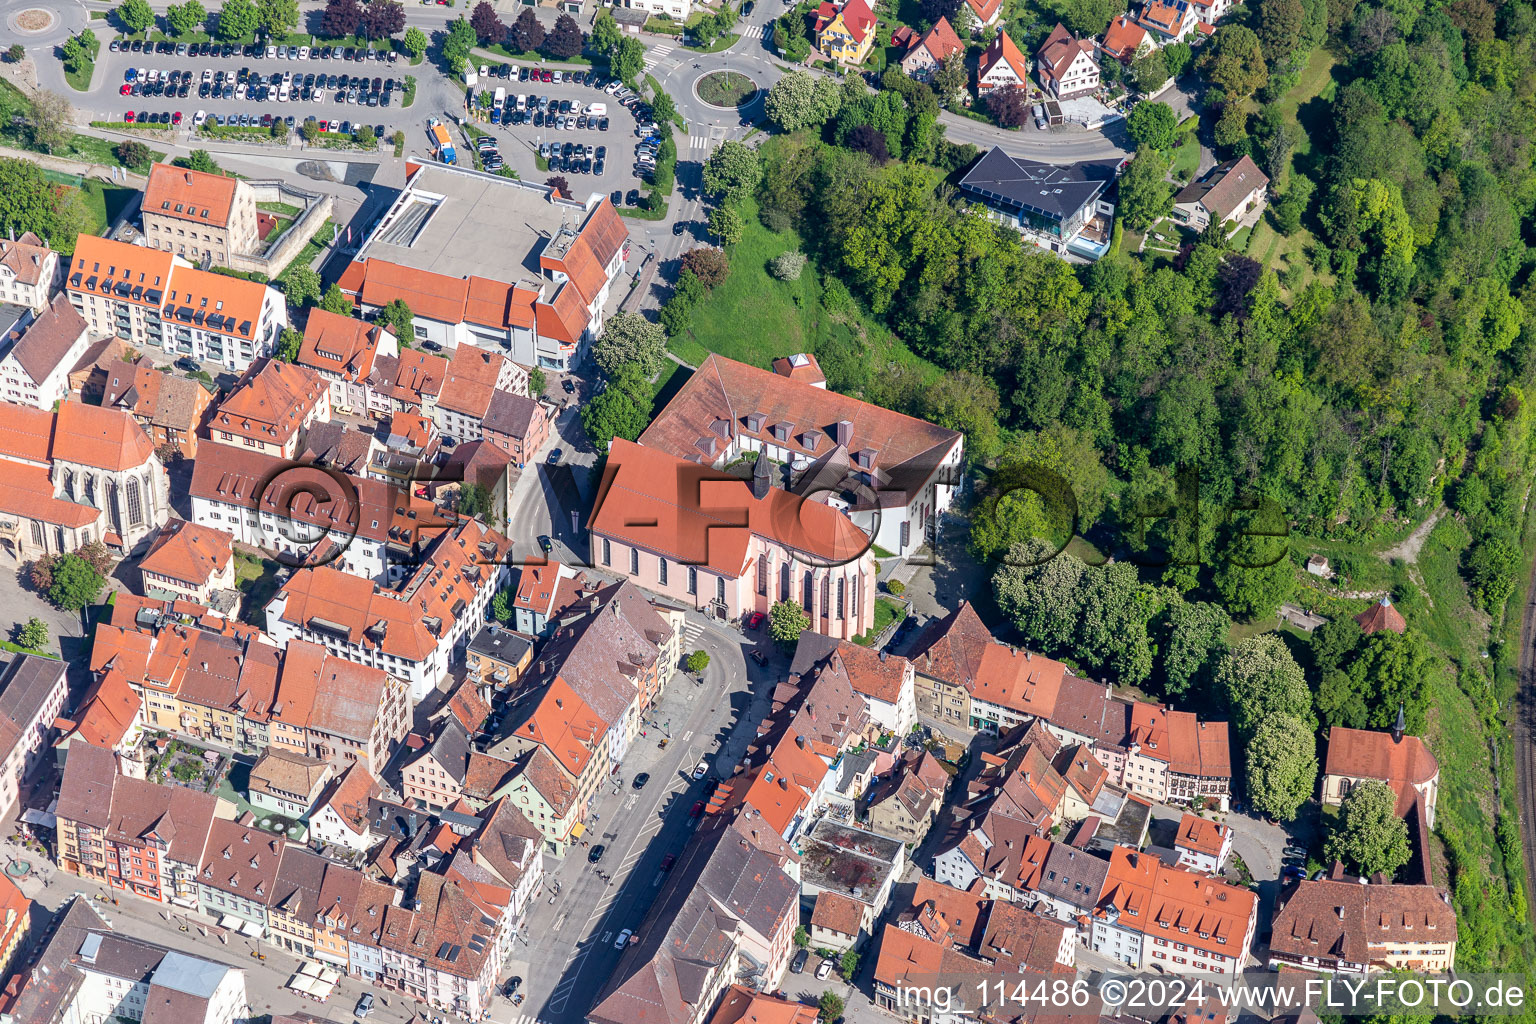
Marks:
<point>1152,125</point>
<point>397,316</point>
<point>1282,765</point>
<point>527,32</point>
<point>799,100</point>
<point>1235,61</point>
<point>237,20</point>
<point>726,224</point>
<point>630,340</point>
<point>605,33</point>
<point>627,62</point>
<point>1145,195</point>
<point>1259,678</point>
<point>135,15</point>
<point>415,42</point>
<point>1369,837</point>
<point>732,171</point>
<point>457,44</point>
<point>787,266</point>
<point>1196,640</point>
<point>383,18</point>
<point>302,286</point>
<point>711,266</point>
<point>565,40</point>
<point>336,302</point>
<point>487,25</point>
<point>76,583</point>
<point>1009,106</point>
<point>786,621</point>
<point>33,634</point>
<point>341,18</point>
<point>1149,71</point>
<point>623,409</point>
<point>184,18</point>
<point>277,17</point>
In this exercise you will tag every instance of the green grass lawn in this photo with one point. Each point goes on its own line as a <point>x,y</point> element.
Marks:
<point>1315,83</point>
<point>311,249</point>
<point>105,202</point>
<point>281,209</point>
<point>754,318</point>
<point>79,79</point>
<point>1186,159</point>
<point>886,611</point>
<point>256,578</point>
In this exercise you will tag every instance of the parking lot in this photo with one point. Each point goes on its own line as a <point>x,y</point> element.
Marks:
<point>247,82</point>
<point>553,116</point>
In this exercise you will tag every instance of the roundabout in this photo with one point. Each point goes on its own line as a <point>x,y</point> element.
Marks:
<point>33,20</point>
<point>725,90</point>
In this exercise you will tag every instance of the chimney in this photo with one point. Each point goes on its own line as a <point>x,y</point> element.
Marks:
<point>800,741</point>
<point>1399,726</point>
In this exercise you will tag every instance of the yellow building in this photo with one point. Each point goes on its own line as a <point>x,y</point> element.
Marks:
<point>845,34</point>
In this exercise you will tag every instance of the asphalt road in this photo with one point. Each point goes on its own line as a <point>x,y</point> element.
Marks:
<point>573,951</point>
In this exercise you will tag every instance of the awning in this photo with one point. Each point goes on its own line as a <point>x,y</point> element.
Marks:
<point>578,830</point>
<point>33,816</point>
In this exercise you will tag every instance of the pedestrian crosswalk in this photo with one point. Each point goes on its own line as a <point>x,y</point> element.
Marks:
<point>767,32</point>
<point>654,55</point>
<point>703,142</point>
<point>691,633</point>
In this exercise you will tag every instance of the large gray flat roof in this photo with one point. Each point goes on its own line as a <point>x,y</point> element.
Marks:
<point>461,223</point>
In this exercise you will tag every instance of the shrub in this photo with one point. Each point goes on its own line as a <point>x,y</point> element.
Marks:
<point>787,265</point>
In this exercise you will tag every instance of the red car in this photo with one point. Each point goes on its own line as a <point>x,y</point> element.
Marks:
<point>128,117</point>
<point>755,620</point>
<point>176,118</point>
<point>545,76</point>
<point>125,90</point>
<point>668,861</point>
<point>698,809</point>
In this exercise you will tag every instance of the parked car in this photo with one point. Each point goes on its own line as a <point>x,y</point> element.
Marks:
<point>596,854</point>
<point>668,861</point>
<point>623,939</point>
<point>364,1005</point>
<point>824,969</point>
<point>797,965</point>
<point>555,456</point>
<point>641,780</point>
<point>700,770</point>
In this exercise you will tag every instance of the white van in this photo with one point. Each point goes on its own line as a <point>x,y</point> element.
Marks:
<point>597,110</point>
<point>522,101</point>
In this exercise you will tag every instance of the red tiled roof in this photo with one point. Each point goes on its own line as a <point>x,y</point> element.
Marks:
<point>985,9</point>
<point>1368,754</point>
<point>1382,615</point>
<point>838,913</point>
<point>188,552</point>
<point>108,711</point>
<point>1123,38</point>
<point>270,403</point>
<point>940,41</point>
<point>341,344</point>
<point>1201,835</point>
<point>700,517</point>
<point>189,195</point>
<point>1003,49</point>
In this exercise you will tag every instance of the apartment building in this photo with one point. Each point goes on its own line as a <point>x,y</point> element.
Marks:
<point>155,299</point>
<point>197,215</point>
<point>32,694</point>
<point>29,271</point>
<point>1151,915</point>
<point>38,350</point>
<point>169,407</point>
<point>344,351</point>
<point>411,631</point>
<point>475,376</point>
<point>270,408</point>
<point>1340,925</point>
<point>361,526</point>
<point>188,561</point>
<point>129,834</point>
